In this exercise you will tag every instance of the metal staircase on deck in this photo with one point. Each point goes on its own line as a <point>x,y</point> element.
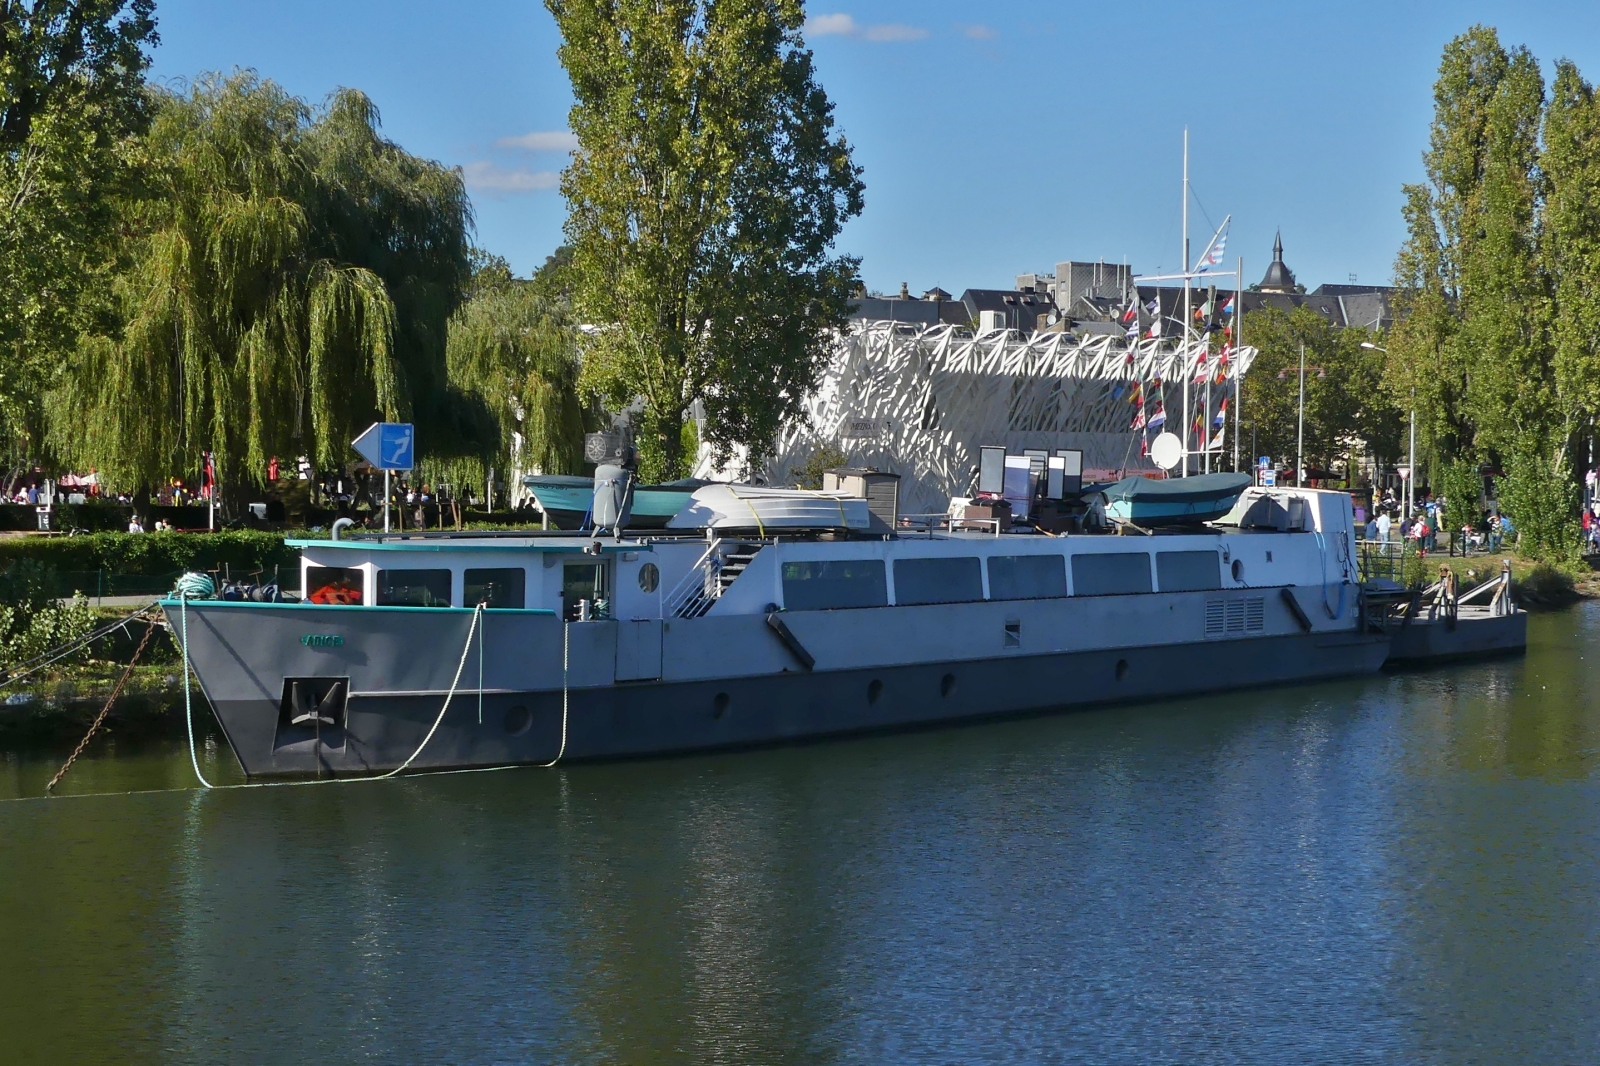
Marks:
<point>709,578</point>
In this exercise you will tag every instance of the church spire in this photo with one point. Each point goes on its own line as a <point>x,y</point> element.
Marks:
<point>1279,277</point>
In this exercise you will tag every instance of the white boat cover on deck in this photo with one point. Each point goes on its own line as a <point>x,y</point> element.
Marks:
<point>762,509</point>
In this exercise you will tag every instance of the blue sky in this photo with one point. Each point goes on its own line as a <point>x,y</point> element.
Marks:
<point>997,138</point>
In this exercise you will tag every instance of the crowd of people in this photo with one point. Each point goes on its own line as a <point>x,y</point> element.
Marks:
<point>1422,531</point>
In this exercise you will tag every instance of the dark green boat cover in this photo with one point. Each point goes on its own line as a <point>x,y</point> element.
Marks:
<point>1196,489</point>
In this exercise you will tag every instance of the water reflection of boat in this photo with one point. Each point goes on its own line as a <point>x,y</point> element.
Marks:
<point>565,500</point>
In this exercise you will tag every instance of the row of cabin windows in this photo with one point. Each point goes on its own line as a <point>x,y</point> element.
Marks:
<point>496,587</point>
<point>838,583</point>
<point>819,585</point>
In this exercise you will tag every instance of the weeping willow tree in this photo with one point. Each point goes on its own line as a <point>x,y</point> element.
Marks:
<point>288,279</point>
<point>514,343</point>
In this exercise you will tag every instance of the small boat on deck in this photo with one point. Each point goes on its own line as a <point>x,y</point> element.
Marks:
<point>566,499</point>
<point>1142,501</point>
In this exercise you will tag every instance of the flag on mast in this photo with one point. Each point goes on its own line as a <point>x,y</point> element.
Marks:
<point>1222,414</point>
<point>1159,418</point>
<point>1212,256</point>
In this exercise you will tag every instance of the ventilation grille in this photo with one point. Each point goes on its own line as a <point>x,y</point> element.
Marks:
<point>1225,617</point>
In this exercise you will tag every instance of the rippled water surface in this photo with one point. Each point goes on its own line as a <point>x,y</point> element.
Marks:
<point>1396,869</point>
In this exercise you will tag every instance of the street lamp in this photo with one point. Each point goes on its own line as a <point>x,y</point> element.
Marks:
<point>1300,432</point>
<point>1411,468</point>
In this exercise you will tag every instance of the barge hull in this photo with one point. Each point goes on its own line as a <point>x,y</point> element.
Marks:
<point>657,718</point>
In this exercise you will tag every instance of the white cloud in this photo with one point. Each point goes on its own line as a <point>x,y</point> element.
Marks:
<point>831,26</point>
<point>980,32</point>
<point>842,25</point>
<point>492,178</point>
<point>542,141</point>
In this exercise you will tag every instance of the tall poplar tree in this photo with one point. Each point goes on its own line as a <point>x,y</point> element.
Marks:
<point>705,196</point>
<point>1471,352</point>
<point>1571,247</point>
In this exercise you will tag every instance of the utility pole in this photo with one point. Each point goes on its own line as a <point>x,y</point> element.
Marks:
<point>1183,351</point>
<point>1411,481</point>
<point>1300,434</point>
<point>1238,342</point>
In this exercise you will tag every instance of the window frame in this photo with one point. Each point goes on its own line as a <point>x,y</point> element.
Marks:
<point>913,562</point>
<point>522,586</point>
<point>378,585</point>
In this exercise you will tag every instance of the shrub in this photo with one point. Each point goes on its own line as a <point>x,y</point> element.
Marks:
<point>1543,503</point>
<point>31,620</point>
<point>153,554</point>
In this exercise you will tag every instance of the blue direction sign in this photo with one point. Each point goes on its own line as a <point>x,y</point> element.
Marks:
<point>388,445</point>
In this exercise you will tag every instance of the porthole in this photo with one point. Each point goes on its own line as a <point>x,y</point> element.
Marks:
<point>1238,569</point>
<point>947,684</point>
<point>719,705</point>
<point>518,720</point>
<point>874,690</point>
<point>1122,669</point>
<point>649,577</point>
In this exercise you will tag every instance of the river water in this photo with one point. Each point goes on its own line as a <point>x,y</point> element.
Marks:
<point>1401,868</point>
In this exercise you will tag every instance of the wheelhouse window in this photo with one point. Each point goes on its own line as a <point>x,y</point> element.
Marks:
<point>1188,571</point>
<point>413,588</point>
<point>504,588</point>
<point>333,584</point>
<point>1027,577</point>
<point>585,591</point>
<point>937,580</point>
<point>830,584</point>
<point>1110,573</point>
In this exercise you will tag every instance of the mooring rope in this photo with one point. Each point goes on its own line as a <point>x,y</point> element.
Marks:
<point>566,643</point>
<point>477,613</point>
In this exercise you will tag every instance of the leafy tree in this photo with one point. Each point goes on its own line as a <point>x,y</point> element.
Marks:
<point>1571,246</point>
<point>1542,500</point>
<point>1461,485</point>
<point>1346,408</point>
<point>71,104</point>
<point>1498,277</point>
<point>1473,345</point>
<point>704,198</point>
<point>288,278</point>
<point>515,343</point>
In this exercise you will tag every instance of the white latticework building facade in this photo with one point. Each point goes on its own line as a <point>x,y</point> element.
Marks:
<point>920,401</point>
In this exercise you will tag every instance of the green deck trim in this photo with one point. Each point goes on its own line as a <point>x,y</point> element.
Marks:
<point>577,545</point>
<point>168,602</point>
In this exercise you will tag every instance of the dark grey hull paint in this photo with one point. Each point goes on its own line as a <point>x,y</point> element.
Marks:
<point>1473,635</point>
<point>629,719</point>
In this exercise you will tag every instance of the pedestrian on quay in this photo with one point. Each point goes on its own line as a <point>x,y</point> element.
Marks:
<point>1494,532</point>
<point>1383,526</point>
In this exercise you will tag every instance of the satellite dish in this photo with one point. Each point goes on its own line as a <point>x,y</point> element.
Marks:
<point>1167,451</point>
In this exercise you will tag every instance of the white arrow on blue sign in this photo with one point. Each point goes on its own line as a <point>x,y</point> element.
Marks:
<point>388,445</point>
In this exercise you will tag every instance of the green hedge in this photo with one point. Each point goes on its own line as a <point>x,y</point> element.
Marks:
<point>155,554</point>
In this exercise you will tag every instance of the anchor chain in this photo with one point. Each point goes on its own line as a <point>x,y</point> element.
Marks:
<point>100,718</point>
